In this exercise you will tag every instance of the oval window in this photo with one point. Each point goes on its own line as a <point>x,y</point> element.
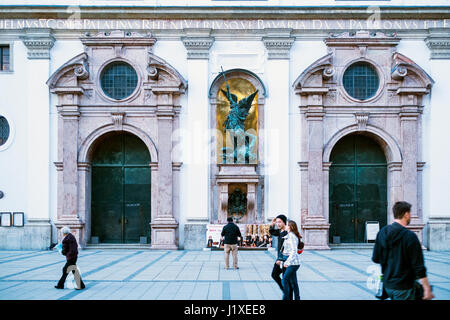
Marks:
<point>118,80</point>
<point>361,81</point>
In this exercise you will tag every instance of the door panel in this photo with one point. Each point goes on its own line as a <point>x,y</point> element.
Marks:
<point>371,196</point>
<point>107,204</point>
<point>137,205</point>
<point>346,226</point>
<point>106,221</point>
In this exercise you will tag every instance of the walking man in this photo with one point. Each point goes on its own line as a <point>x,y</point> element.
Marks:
<point>231,234</point>
<point>399,252</point>
<point>70,250</point>
<point>281,232</point>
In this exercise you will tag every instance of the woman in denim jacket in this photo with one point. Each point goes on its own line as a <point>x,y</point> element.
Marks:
<point>292,262</point>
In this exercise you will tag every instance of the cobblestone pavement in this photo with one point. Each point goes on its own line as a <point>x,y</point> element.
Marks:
<point>198,275</point>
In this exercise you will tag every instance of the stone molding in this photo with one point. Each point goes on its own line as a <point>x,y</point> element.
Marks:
<point>439,44</point>
<point>197,43</point>
<point>38,42</point>
<point>117,119</point>
<point>278,43</point>
<point>362,39</point>
<point>118,38</point>
<point>361,120</point>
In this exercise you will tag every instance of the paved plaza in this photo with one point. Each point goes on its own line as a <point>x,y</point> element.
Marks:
<point>198,275</point>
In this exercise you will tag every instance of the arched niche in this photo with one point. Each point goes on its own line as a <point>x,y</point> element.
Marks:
<point>229,173</point>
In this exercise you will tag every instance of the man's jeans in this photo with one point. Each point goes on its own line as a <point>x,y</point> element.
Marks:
<point>290,283</point>
<point>401,294</point>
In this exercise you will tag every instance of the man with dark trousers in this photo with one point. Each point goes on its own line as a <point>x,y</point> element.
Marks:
<point>231,234</point>
<point>70,250</point>
<point>281,232</point>
<point>399,252</point>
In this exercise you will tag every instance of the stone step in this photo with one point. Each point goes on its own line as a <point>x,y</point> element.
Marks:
<point>349,246</point>
<point>118,246</point>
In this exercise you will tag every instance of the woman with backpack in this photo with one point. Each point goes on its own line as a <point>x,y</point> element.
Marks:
<point>292,246</point>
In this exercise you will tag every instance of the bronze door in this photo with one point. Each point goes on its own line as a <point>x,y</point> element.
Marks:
<point>121,176</point>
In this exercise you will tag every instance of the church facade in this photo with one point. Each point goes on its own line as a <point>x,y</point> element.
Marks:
<point>143,124</point>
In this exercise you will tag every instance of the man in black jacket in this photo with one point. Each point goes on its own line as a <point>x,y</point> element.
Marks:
<point>70,250</point>
<point>231,233</point>
<point>399,252</point>
<point>280,220</point>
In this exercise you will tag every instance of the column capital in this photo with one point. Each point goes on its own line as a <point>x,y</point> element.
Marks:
<point>38,42</point>
<point>197,43</point>
<point>278,43</point>
<point>439,43</point>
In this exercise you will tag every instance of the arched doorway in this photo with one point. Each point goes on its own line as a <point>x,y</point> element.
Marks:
<point>357,187</point>
<point>121,176</point>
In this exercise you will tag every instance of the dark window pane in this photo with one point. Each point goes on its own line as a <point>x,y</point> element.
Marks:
<point>119,80</point>
<point>4,130</point>
<point>361,81</point>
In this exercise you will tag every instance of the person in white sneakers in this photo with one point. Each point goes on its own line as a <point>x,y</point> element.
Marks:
<point>292,263</point>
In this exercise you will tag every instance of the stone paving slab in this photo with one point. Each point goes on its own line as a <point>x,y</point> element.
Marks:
<point>198,275</point>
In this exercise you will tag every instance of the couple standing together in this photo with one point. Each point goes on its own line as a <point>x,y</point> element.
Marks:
<point>289,247</point>
<point>288,262</point>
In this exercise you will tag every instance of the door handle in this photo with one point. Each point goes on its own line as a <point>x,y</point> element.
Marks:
<point>126,220</point>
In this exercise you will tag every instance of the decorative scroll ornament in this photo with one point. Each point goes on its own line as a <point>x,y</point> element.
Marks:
<point>151,69</point>
<point>82,72</point>
<point>399,72</point>
<point>328,73</point>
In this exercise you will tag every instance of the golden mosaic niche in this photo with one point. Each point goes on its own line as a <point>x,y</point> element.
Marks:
<point>241,88</point>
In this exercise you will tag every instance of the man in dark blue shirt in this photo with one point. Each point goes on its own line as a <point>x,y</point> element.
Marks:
<point>399,252</point>
<point>231,234</point>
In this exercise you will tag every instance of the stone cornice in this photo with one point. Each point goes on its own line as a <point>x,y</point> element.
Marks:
<point>237,12</point>
<point>439,44</point>
<point>38,42</point>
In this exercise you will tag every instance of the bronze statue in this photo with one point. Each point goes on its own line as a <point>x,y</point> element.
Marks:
<point>235,123</point>
<point>238,109</point>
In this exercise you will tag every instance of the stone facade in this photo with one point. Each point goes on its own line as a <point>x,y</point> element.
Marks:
<point>295,57</point>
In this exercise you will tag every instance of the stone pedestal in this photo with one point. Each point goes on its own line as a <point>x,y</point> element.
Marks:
<point>195,235</point>
<point>439,233</point>
<point>36,234</point>
<point>243,174</point>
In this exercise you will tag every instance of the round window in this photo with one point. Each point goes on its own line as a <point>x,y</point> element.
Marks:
<point>118,80</point>
<point>4,130</point>
<point>361,81</point>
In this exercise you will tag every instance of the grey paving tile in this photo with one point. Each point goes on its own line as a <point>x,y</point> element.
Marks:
<point>183,275</point>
